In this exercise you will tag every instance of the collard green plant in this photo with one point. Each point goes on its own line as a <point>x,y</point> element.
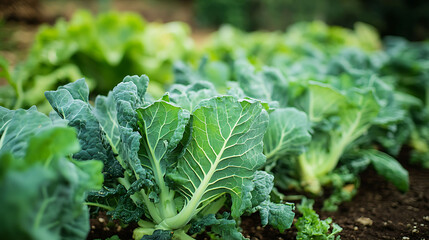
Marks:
<point>43,188</point>
<point>338,105</point>
<point>177,165</point>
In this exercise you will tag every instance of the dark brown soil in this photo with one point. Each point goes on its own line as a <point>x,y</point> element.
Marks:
<point>378,211</point>
<point>102,228</point>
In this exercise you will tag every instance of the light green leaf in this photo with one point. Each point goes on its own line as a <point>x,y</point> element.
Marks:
<point>188,97</point>
<point>268,85</point>
<point>21,125</point>
<point>322,101</point>
<point>287,133</point>
<point>162,126</point>
<point>52,143</point>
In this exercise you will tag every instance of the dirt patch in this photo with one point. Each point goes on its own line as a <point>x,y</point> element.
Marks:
<point>378,211</point>
<point>102,228</point>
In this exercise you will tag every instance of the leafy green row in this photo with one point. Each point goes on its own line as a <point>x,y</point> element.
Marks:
<point>343,106</point>
<point>103,49</point>
<point>171,164</point>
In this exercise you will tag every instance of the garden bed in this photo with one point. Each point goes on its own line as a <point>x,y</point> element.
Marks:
<point>378,211</point>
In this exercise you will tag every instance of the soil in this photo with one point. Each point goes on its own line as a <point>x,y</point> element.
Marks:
<point>102,228</point>
<point>378,211</point>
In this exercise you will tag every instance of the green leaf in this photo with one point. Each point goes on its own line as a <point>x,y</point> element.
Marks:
<point>52,143</point>
<point>389,168</point>
<point>224,227</point>
<point>322,101</point>
<point>188,97</point>
<point>268,85</point>
<point>70,103</point>
<point>279,216</point>
<point>18,129</point>
<point>310,226</point>
<point>162,126</point>
<point>224,152</point>
<point>287,133</point>
<point>159,235</point>
<point>50,206</point>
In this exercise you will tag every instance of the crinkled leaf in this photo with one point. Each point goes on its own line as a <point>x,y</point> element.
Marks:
<point>70,103</point>
<point>159,235</point>
<point>67,102</point>
<point>279,216</point>
<point>309,226</point>
<point>224,227</point>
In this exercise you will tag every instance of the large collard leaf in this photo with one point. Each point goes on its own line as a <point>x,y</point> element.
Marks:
<point>224,152</point>
<point>287,133</point>
<point>162,126</point>
<point>268,85</point>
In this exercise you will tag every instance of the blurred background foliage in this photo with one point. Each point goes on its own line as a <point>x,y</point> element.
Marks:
<point>405,18</point>
<point>47,43</point>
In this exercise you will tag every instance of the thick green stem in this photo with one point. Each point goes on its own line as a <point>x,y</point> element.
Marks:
<point>308,175</point>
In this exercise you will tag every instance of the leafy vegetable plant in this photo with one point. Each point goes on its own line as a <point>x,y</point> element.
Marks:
<point>310,226</point>
<point>337,103</point>
<point>172,169</point>
<point>104,49</point>
<point>43,188</point>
